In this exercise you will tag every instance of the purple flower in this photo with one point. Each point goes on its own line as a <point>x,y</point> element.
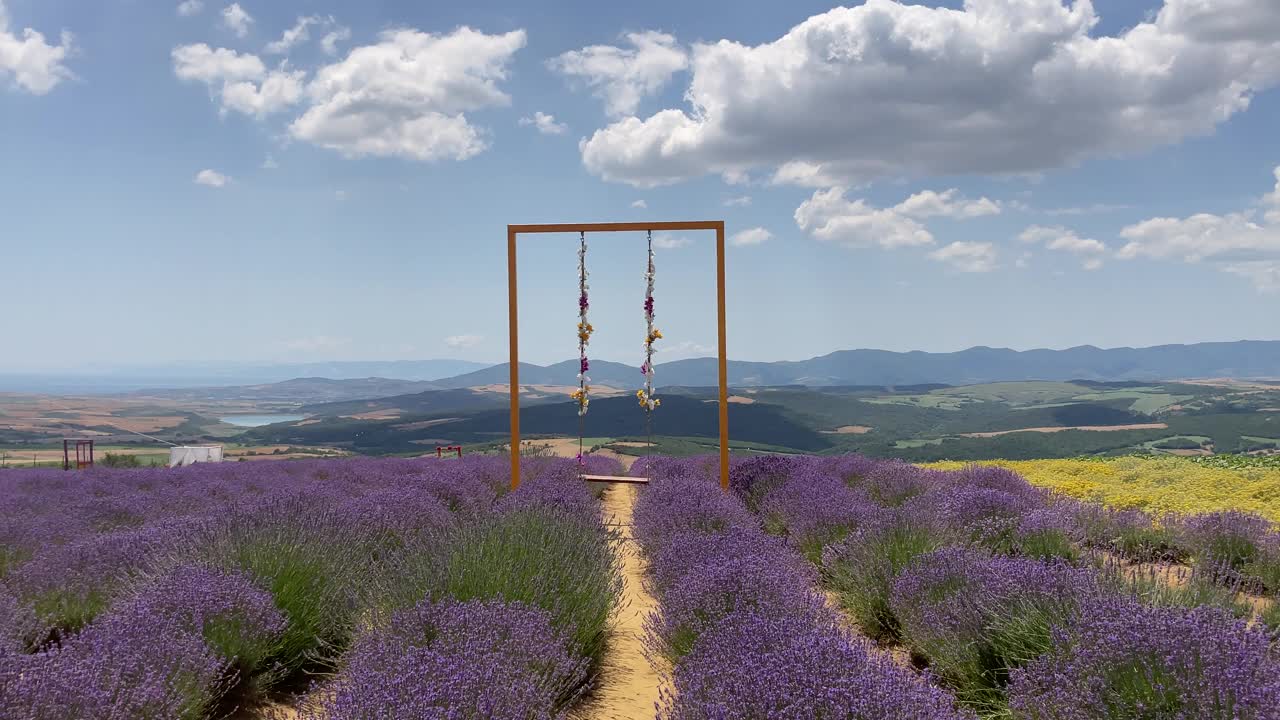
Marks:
<point>122,668</point>
<point>1126,660</point>
<point>479,659</point>
<point>785,666</point>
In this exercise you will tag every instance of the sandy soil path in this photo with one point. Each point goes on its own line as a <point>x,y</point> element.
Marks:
<point>628,687</point>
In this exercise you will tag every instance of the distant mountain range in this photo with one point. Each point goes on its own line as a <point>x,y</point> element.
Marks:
<point>1241,359</point>
<point>210,376</point>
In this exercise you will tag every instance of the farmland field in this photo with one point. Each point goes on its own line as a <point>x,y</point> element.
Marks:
<point>818,587</point>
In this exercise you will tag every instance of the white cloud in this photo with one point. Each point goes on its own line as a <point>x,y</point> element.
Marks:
<point>622,77</point>
<point>545,123</point>
<point>35,65</point>
<point>292,37</point>
<point>407,95</point>
<point>241,81</point>
<point>270,163</point>
<point>752,236</point>
<point>1090,251</point>
<point>329,43</point>
<point>640,204</point>
<point>235,19</point>
<point>1243,243</point>
<point>740,201</point>
<point>970,257</point>
<point>212,178</point>
<point>279,90</point>
<point>1271,201</point>
<point>463,341</point>
<point>888,89</point>
<point>667,241</point>
<point>947,203</point>
<point>201,63</point>
<point>829,215</point>
<point>187,8</point>
<point>1264,274</point>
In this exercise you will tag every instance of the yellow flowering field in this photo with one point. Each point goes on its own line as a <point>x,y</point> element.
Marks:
<point>1154,484</point>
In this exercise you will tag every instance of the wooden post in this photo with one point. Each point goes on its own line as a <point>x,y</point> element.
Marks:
<point>724,363</point>
<point>514,321</point>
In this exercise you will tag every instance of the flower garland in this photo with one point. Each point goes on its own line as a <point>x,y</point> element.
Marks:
<point>584,330</point>
<point>646,396</point>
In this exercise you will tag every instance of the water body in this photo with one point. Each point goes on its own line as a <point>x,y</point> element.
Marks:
<point>259,420</point>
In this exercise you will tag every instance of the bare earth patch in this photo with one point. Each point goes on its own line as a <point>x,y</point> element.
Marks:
<point>849,430</point>
<point>424,424</point>
<point>384,414</point>
<point>1095,428</point>
<point>628,685</point>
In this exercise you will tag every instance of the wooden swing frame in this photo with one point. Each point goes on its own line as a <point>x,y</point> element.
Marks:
<point>514,231</point>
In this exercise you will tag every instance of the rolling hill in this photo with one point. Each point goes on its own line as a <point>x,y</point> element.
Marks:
<point>1243,359</point>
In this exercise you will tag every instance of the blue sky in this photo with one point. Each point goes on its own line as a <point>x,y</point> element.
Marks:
<point>218,182</point>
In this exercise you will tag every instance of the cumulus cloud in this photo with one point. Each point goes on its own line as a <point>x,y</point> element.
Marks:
<point>887,89</point>
<point>407,95</point>
<point>212,178</point>
<point>969,257</point>
<point>235,19</point>
<point>240,81</point>
<point>292,37</point>
<point>1246,243</point>
<point>622,77</point>
<point>640,204</point>
<point>1090,251</point>
<point>545,123</point>
<point>29,61</point>
<point>752,236</point>
<point>829,215</point>
<point>740,201</point>
<point>329,43</point>
<point>667,241</point>
<point>187,8</point>
<point>463,341</point>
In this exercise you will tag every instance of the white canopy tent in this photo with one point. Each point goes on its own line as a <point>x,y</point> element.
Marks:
<point>192,454</point>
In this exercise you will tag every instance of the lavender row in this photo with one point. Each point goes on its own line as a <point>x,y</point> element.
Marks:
<point>983,579</point>
<point>741,623</point>
<point>182,593</point>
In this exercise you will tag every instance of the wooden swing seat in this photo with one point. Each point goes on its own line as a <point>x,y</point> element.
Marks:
<point>616,479</point>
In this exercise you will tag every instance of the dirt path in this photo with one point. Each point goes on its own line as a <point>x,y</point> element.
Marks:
<point>628,687</point>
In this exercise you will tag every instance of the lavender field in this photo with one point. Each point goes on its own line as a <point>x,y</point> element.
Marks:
<point>820,587</point>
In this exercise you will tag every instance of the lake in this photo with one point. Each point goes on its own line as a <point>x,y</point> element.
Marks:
<point>259,420</point>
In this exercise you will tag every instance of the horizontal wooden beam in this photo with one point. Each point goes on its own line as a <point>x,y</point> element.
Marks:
<point>616,479</point>
<point>616,227</point>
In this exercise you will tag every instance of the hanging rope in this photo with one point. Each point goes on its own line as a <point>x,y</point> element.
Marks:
<point>581,395</point>
<point>648,398</point>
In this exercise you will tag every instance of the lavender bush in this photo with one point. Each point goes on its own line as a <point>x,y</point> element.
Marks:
<point>975,617</point>
<point>237,620</point>
<point>757,666</point>
<point>862,569</point>
<point>472,660</point>
<point>1126,660</point>
<point>123,668</point>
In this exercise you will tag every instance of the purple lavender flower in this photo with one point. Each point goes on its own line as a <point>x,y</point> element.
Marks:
<point>974,616</point>
<point>785,666</point>
<point>123,668</point>
<point>479,659</point>
<point>1126,660</point>
<point>19,627</point>
<point>238,620</point>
